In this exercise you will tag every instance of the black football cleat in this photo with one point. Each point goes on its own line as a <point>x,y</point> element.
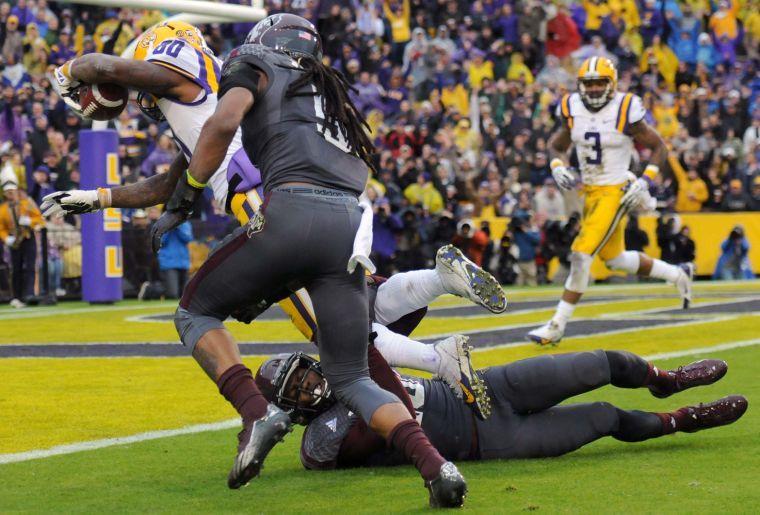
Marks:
<point>699,373</point>
<point>714,414</point>
<point>449,489</point>
<point>255,442</point>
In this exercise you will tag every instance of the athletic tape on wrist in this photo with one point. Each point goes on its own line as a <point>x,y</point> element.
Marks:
<point>650,172</point>
<point>104,198</point>
<point>556,163</point>
<point>66,69</point>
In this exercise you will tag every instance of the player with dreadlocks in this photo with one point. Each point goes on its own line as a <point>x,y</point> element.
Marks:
<point>307,139</point>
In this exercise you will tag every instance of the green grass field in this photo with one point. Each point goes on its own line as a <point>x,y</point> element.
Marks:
<point>47,402</point>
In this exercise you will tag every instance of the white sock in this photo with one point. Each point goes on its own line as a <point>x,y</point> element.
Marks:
<point>662,270</point>
<point>563,313</point>
<point>400,351</point>
<point>405,293</point>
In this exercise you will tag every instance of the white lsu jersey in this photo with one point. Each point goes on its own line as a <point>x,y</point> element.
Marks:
<point>602,141</point>
<point>186,119</point>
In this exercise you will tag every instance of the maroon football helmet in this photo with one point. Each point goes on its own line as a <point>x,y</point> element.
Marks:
<point>295,382</point>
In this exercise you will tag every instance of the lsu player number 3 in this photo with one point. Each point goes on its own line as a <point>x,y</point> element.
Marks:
<point>604,124</point>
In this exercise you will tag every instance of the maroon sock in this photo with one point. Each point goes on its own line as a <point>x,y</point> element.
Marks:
<point>409,438</point>
<point>240,390</point>
<point>675,421</point>
<point>662,379</point>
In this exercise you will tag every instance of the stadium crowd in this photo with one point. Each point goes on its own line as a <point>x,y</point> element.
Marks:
<point>460,98</point>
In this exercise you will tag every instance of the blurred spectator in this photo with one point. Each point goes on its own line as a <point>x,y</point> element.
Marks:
<point>692,190</point>
<point>684,249</point>
<point>549,202</point>
<point>755,193</point>
<point>736,199</point>
<point>62,237</point>
<point>139,262</point>
<point>159,160</point>
<point>174,259</point>
<point>562,36</point>
<point>19,219</point>
<point>14,41</point>
<point>558,238</point>
<point>733,263</point>
<point>526,239</point>
<point>398,14</point>
<point>666,231</point>
<point>423,193</point>
<point>471,240</point>
<point>636,238</point>
<point>385,226</point>
<point>41,185</point>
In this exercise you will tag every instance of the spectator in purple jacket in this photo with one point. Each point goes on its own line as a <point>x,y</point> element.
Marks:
<point>160,158</point>
<point>652,22</point>
<point>385,226</point>
<point>63,50</point>
<point>508,24</point>
<point>368,95</point>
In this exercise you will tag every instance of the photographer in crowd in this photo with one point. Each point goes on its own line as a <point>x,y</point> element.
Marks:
<point>733,263</point>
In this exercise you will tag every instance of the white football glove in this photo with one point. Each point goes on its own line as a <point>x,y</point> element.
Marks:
<point>65,85</point>
<point>70,202</point>
<point>24,221</point>
<point>562,176</point>
<point>10,240</point>
<point>637,196</point>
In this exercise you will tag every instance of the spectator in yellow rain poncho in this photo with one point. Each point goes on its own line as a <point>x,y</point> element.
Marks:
<point>661,55</point>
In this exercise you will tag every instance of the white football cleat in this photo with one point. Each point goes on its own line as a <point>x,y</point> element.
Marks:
<point>463,278</point>
<point>548,334</point>
<point>455,369</point>
<point>684,283</point>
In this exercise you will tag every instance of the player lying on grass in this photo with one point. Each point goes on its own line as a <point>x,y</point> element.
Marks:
<point>526,421</point>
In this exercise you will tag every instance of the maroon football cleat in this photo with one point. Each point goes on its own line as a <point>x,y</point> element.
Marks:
<point>705,416</point>
<point>699,373</point>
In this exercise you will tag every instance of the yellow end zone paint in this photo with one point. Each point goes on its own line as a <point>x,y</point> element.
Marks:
<point>47,402</point>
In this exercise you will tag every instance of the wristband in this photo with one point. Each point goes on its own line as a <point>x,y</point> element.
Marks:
<point>104,198</point>
<point>651,171</point>
<point>66,69</point>
<point>194,183</point>
<point>556,163</point>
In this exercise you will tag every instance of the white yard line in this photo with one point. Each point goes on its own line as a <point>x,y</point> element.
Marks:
<point>228,424</point>
<point>110,442</point>
<point>40,312</point>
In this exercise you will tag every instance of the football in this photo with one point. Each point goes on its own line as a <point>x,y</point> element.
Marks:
<point>102,101</point>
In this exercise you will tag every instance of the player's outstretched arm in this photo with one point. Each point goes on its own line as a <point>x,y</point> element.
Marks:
<point>130,73</point>
<point>151,191</point>
<point>210,151</point>
<point>145,193</point>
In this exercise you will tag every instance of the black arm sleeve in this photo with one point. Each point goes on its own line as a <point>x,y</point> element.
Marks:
<point>241,74</point>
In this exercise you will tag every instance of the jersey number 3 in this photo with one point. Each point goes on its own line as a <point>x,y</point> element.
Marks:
<point>596,147</point>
